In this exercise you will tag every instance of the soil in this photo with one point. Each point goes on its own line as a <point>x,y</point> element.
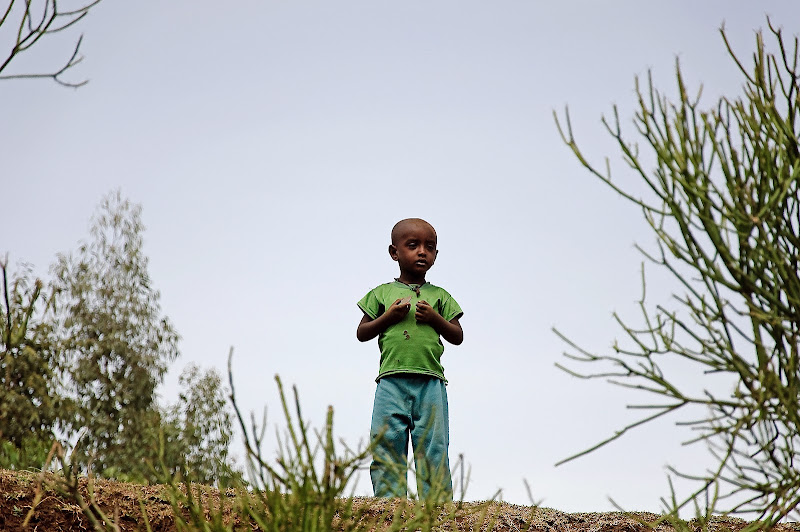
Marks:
<point>30,496</point>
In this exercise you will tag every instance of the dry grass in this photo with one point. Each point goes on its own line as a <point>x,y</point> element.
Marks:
<point>126,502</point>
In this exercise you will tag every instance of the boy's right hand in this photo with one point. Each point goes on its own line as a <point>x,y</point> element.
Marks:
<point>370,328</point>
<point>398,310</point>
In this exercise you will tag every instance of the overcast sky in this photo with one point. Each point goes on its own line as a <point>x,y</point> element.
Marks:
<point>272,146</point>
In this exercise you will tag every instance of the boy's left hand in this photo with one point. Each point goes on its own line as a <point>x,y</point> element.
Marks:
<point>450,330</point>
<point>425,313</point>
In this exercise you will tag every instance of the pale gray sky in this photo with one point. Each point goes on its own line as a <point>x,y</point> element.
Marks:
<point>273,145</point>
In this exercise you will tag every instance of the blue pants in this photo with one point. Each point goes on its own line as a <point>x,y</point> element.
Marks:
<point>415,405</point>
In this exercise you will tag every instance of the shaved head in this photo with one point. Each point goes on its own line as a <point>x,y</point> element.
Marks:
<point>409,223</point>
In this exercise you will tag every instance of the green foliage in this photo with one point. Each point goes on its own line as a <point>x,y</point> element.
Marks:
<point>197,431</point>
<point>84,363</point>
<point>724,205</point>
<point>29,396</point>
<point>30,453</point>
<point>114,340</point>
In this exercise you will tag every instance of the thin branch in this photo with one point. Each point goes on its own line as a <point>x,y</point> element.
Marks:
<point>73,60</point>
<point>618,434</point>
<point>33,27</point>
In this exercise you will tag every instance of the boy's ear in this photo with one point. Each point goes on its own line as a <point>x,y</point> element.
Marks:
<point>393,251</point>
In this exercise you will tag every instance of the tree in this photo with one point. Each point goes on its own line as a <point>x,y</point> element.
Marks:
<point>199,427</point>
<point>116,343</point>
<point>724,205</point>
<point>29,397</point>
<point>82,364</point>
<point>29,21</point>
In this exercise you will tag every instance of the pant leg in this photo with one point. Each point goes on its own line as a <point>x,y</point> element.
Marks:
<point>430,435</point>
<point>389,435</point>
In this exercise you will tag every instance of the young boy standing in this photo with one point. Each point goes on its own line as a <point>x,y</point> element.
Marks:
<point>410,316</point>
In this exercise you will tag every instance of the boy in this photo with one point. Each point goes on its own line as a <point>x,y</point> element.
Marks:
<point>409,316</point>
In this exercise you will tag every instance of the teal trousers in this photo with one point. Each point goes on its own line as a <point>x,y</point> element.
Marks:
<point>411,405</point>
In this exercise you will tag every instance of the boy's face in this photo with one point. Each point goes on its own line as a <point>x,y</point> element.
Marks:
<point>414,248</point>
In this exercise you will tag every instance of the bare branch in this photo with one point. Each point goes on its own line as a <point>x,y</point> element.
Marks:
<point>34,24</point>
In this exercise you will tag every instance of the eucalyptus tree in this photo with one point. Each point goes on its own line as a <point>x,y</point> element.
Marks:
<point>115,341</point>
<point>722,196</point>
<point>198,429</point>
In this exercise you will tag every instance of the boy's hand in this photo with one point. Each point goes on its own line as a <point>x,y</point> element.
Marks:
<point>425,313</point>
<point>370,328</point>
<point>398,310</point>
<point>449,330</point>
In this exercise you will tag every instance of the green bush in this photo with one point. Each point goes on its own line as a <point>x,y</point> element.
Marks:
<point>31,454</point>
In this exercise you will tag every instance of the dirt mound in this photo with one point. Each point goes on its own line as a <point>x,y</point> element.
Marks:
<point>19,493</point>
<point>127,504</point>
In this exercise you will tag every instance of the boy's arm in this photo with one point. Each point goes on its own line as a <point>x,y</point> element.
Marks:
<point>369,328</point>
<point>449,330</point>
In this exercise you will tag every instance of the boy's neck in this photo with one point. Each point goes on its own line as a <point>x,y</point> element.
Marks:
<point>406,279</point>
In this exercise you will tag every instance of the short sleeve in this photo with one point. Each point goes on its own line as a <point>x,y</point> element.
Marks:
<point>450,308</point>
<point>371,305</point>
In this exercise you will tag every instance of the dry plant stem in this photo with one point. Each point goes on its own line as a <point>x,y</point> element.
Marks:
<point>724,204</point>
<point>39,491</point>
<point>66,483</point>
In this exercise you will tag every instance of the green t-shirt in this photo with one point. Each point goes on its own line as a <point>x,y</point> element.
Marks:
<point>408,346</point>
